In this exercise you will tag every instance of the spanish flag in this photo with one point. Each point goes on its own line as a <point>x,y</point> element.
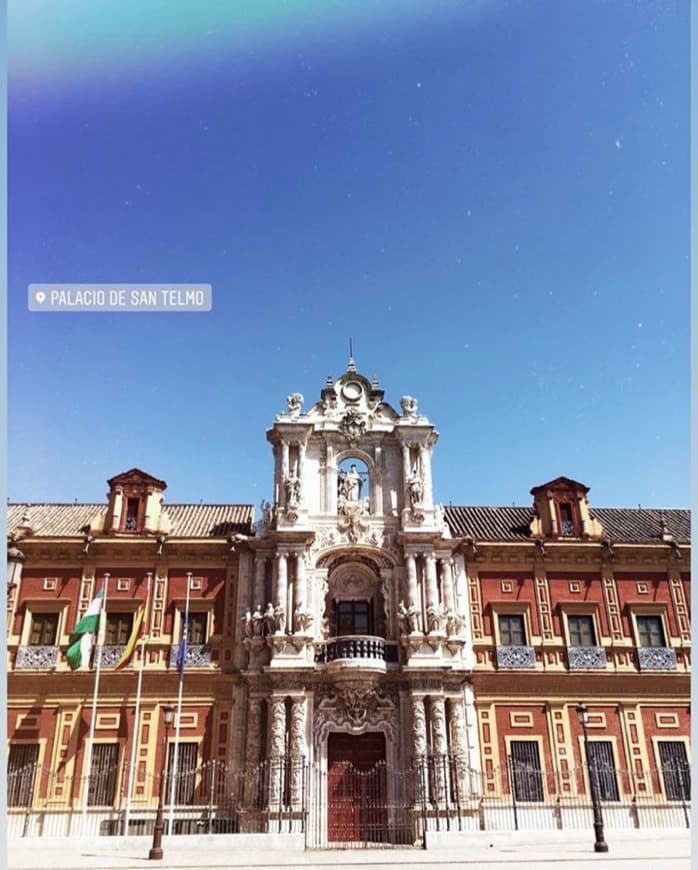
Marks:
<point>133,640</point>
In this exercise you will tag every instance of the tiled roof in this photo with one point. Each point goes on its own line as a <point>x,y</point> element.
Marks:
<point>620,524</point>
<point>187,520</point>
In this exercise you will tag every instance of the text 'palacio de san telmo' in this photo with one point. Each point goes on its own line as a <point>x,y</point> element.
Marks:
<point>353,663</point>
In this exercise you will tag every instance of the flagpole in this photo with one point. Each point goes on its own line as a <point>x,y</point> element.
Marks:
<point>93,721</point>
<point>136,712</point>
<point>179,708</point>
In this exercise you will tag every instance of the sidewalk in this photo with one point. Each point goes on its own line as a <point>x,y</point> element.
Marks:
<point>628,850</point>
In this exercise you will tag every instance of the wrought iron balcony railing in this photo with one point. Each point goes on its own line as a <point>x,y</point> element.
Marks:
<point>36,657</point>
<point>516,657</point>
<point>198,655</point>
<point>656,658</point>
<point>586,657</point>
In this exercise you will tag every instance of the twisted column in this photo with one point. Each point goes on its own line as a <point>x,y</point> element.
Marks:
<point>439,745</point>
<point>298,749</point>
<point>277,749</point>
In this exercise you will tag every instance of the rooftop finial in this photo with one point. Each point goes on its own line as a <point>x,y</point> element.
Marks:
<point>351,365</point>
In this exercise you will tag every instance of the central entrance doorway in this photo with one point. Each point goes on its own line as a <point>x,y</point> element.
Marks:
<point>356,788</point>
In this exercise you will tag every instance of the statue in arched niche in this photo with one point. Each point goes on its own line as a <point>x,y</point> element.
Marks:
<point>349,484</point>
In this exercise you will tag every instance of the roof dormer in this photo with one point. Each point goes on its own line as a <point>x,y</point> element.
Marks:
<point>135,503</point>
<point>562,511</point>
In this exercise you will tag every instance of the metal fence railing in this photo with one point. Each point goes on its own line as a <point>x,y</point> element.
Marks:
<point>342,805</point>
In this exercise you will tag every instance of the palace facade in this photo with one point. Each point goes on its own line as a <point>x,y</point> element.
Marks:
<point>357,646</point>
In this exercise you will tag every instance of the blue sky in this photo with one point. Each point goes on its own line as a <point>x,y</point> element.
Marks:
<point>491,198</point>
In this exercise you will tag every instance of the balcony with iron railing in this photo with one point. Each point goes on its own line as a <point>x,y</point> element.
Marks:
<point>356,651</point>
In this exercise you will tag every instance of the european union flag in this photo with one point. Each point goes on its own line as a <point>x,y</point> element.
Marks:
<point>182,653</point>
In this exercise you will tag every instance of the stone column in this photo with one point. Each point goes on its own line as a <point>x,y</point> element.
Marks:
<point>439,745</point>
<point>419,748</point>
<point>425,463</point>
<point>118,504</point>
<point>260,565</point>
<point>298,749</point>
<point>330,481</point>
<point>277,750</point>
<point>284,471</point>
<point>301,458</point>
<point>299,595</point>
<point>253,752</point>
<point>419,728</point>
<point>434,620</point>
<point>459,744</point>
<point>406,471</point>
<point>280,591</point>
<point>413,604</point>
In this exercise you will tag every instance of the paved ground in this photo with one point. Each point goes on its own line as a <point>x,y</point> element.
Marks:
<point>628,850</point>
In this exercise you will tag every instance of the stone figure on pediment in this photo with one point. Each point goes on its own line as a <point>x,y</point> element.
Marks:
<point>409,406</point>
<point>294,403</point>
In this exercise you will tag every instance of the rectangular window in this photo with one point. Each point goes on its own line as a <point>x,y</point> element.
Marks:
<point>525,770</point>
<point>650,630</point>
<point>196,628</point>
<point>103,774</point>
<point>511,629</point>
<point>602,767</point>
<point>44,629</point>
<point>185,786</point>
<point>131,520</point>
<point>22,763</point>
<point>353,617</point>
<point>119,627</point>
<point>566,520</point>
<point>675,770</point>
<point>581,629</point>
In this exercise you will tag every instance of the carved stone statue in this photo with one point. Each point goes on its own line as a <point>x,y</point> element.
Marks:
<point>454,623</point>
<point>325,628</point>
<point>269,619</point>
<point>409,406</point>
<point>247,622</point>
<point>415,487</point>
<point>302,619</point>
<point>436,618</point>
<point>349,484</point>
<point>279,619</point>
<point>294,403</point>
<point>258,622</point>
<point>292,484</point>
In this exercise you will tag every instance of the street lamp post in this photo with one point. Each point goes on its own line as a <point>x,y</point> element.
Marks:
<point>156,849</point>
<point>600,844</point>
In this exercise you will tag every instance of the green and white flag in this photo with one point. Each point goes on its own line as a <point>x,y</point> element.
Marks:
<point>82,637</point>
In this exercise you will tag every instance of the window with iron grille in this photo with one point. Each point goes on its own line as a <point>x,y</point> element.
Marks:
<point>525,770</point>
<point>119,626</point>
<point>650,630</point>
<point>103,774</point>
<point>567,529</point>
<point>44,629</point>
<point>581,629</point>
<point>185,786</point>
<point>675,770</point>
<point>21,773</point>
<point>602,767</point>
<point>511,629</point>
<point>196,628</point>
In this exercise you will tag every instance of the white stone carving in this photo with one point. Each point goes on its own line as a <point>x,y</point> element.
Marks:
<point>294,403</point>
<point>419,728</point>
<point>409,407</point>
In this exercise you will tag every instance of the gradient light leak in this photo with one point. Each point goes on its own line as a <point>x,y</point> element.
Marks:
<point>54,41</point>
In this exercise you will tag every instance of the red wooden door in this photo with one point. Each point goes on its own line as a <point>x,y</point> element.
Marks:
<point>356,792</point>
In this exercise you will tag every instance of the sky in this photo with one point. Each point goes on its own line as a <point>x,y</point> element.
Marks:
<point>490,197</point>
